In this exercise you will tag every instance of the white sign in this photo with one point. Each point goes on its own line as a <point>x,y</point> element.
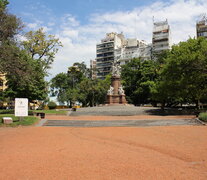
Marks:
<point>21,107</point>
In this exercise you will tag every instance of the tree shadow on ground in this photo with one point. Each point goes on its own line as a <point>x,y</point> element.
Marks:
<point>172,111</point>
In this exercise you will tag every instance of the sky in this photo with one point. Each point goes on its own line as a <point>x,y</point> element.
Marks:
<point>81,24</point>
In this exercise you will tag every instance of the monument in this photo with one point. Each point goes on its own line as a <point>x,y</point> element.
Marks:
<point>115,94</point>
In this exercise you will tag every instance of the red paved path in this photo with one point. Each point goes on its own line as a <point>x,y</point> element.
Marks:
<point>62,153</point>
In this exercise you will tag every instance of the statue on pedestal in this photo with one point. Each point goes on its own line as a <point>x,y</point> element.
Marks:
<point>116,68</point>
<point>116,94</point>
<point>110,91</point>
<point>121,90</point>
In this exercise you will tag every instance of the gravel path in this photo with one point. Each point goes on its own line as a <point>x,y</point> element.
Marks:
<point>51,153</point>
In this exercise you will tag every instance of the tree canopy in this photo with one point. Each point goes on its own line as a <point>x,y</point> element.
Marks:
<point>41,47</point>
<point>76,86</point>
<point>183,78</point>
<point>176,76</point>
<point>25,64</point>
<point>138,80</point>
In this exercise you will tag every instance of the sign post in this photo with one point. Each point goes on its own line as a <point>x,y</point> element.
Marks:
<point>21,107</point>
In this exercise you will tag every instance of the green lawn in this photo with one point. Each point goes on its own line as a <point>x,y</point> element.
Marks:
<point>52,111</point>
<point>203,116</point>
<point>27,121</point>
<point>6,111</point>
<point>11,111</point>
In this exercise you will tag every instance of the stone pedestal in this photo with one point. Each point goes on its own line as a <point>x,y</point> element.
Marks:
<point>116,94</point>
<point>116,99</point>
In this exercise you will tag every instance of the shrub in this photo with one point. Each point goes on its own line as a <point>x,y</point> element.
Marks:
<point>52,105</point>
<point>203,116</point>
<point>7,111</point>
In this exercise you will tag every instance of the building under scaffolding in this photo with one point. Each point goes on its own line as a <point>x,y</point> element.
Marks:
<point>160,36</point>
<point>201,27</point>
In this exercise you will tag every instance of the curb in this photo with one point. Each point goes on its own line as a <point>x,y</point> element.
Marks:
<point>201,122</point>
<point>41,122</point>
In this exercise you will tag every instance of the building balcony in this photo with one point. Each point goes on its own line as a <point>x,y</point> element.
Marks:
<point>104,51</point>
<point>105,56</point>
<point>160,48</point>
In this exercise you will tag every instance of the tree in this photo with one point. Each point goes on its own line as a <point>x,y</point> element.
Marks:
<point>184,75</point>
<point>82,68</point>
<point>59,86</point>
<point>41,47</point>
<point>3,4</point>
<point>10,26</point>
<point>93,92</point>
<point>77,86</point>
<point>25,78</point>
<point>138,80</point>
<point>65,85</point>
<point>25,66</point>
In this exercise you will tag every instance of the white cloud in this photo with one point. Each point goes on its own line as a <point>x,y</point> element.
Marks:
<point>69,20</point>
<point>79,40</point>
<point>32,25</point>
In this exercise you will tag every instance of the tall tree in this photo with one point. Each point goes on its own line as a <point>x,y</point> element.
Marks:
<point>184,75</point>
<point>76,86</point>
<point>138,80</point>
<point>59,86</point>
<point>10,26</point>
<point>42,47</point>
<point>93,92</point>
<point>25,78</point>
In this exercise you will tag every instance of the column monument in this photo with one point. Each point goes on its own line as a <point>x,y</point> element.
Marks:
<point>115,94</point>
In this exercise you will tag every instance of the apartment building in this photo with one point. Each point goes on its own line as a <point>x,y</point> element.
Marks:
<point>133,48</point>
<point>161,39</point>
<point>115,47</point>
<point>201,27</point>
<point>105,53</point>
<point>93,69</point>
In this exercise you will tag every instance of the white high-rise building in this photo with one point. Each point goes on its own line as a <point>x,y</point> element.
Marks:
<point>105,53</point>
<point>161,37</point>
<point>133,48</point>
<point>115,47</point>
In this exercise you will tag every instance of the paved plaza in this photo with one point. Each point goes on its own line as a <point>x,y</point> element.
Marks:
<point>91,147</point>
<point>121,110</point>
<point>120,123</point>
<point>125,110</point>
<point>107,153</point>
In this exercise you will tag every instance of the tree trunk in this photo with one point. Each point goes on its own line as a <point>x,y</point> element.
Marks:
<point>198,104</point>
<point>163,106</point>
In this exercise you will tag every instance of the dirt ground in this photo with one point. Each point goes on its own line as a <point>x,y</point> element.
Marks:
<point>63,153</point>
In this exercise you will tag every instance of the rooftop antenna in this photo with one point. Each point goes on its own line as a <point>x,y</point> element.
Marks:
<point>203,17</point>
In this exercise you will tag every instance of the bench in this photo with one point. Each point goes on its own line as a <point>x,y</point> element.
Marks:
<point>7,120</point>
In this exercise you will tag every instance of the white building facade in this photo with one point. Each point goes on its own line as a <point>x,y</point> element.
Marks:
<point>105,55</point>
<point>133,48</point>
<point>201,27</point>
<point>161,37</point>
<point>115,47</point>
